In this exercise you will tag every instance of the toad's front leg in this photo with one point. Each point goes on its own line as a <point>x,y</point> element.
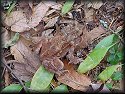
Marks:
<point>53,64</point>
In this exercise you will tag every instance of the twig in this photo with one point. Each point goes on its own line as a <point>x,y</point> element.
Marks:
<point>4,62</point>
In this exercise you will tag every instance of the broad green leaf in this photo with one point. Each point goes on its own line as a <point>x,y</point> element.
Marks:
<point>109,85</point>
<point>12,41</point>
<point>60,89</point>
<point>12,88</point>
<point>93,59</point>
<point>67,6</point>
<point>117,76</point>
<point>41,79</point>
<point>107,73</point>
<point>106,42</point>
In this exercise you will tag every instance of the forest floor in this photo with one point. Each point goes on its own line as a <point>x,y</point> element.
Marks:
<point>51,46</point>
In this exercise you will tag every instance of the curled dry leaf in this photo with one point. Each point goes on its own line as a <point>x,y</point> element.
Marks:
<point>73,79</point>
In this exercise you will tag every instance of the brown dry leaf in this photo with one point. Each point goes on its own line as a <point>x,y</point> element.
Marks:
<point>29,63</point>
<point>5,36</point>
<point>17,21</point>
<point>73,79</point>
<point>51,22</point>
<point>7,78</point>
<point>96,4</point>
<point>96,33</point>
<point>89,14</point>
<point>38,13</point>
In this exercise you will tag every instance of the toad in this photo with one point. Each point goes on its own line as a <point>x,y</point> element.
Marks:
<point>64,42</point>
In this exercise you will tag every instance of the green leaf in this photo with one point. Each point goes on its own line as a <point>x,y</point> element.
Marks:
<point>67,6</point>
<point>109,85</point>
<point>12,88</point>
<point>27,84</point>
<point>41,79</point>
<point>98,53</point>
<point>106,42</point>
<point>59,89</point>
<point>107,73</point>
<point>113,59</point>
<point>12,41</point>
<point>92,60</point>
<point>117,76</point>
<point>11,7</point>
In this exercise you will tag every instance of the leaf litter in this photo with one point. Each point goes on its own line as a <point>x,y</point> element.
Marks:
<point>59,43</point>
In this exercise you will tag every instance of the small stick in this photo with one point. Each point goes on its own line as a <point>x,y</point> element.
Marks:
<point>5,63</point>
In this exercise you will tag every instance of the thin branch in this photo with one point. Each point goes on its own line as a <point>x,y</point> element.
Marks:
<point>5,63</point>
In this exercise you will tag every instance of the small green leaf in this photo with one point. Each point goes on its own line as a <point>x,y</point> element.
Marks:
<point>12,88</point>
<point>109,85</point>
<point>11,7</point>
<point>107,73</point>
<point>117,76</point>
<point>92,60</point>
<point>67,6</point>
<point>59,89</point>
<point>113,59</point>
<point>12,41</point>
<point>27,84</point>
<point>106,42</point>
<point>41,79</point>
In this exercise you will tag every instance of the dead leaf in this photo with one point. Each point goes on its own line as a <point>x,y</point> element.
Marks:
<point>96,33</point>
<point>17,21</point>
<point>29,61</point>
<point>96,4</point>
<point>7,78</point>
<point>5,36</point>
<point>96,86</point>
<point>73,79</point>
<point>38,13</point>
<point>51,22</point>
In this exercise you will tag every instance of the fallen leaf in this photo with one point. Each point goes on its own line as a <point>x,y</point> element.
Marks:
<point>27,60</point>
<point>61,88</point>
<point>96,86</point>
<point>51,22</point>
<point>7,78</point>
<point>17,21</point>
<point>96,4</point>
<point>12,41</point>
<point>73,79</point>
<point>107,73</point>
<point>39,12</point>
<point>12,88</point>
<point>41,80</point>
<point>95,33</point>
<point>98,53</point>
<point>67,6</point>
<point>5,36</point>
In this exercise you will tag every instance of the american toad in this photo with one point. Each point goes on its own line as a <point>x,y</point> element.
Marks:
<point>62,44</point>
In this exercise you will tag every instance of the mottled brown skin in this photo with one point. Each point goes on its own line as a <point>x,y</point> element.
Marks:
<point>51,50</point>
